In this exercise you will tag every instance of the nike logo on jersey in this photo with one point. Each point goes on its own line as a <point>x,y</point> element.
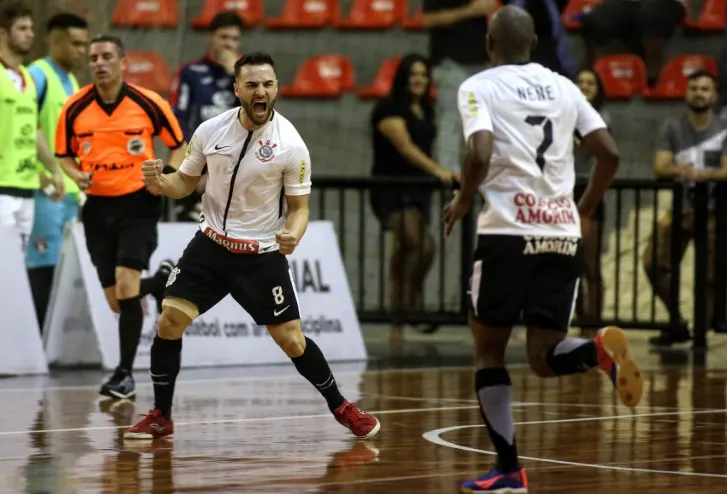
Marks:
<point>218,147</point>
<point>276,313</point>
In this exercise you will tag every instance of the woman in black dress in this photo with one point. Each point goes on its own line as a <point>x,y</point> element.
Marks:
<point>403,136</point>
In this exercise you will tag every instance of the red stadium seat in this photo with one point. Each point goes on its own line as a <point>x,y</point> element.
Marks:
<point>146,13</point>
<point>623,76</point>
<point>324,76</point>
<point>573,11</point>
<point>672,83</point>
<point>149,70</point>
<point>251,11</point>
<point>305,14</point>
<point>712,17</point>
<point>373,14</point>
<point>381,86</point>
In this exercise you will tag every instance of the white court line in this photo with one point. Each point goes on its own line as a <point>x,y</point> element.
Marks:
<point>240,420</point>
<point>434,437</point>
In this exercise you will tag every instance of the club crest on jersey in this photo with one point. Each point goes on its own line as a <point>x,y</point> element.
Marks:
<point>266,152</point>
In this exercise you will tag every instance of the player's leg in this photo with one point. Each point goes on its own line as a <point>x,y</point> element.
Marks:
<point>547,314</point>
<point>267,292</point>
<point>194,286</point>
<point>496,296</point>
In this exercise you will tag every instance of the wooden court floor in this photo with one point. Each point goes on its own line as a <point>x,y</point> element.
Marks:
<point>251,430</point>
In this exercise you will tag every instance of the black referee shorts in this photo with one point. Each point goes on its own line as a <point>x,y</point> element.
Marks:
<point>261,283</point>
<point>528,279</point>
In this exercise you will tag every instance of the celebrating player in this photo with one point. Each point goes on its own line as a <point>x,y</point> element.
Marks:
<point>254,212</point>
<point>519,119</point>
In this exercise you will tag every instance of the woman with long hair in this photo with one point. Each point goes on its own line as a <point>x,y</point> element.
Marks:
<point>404,129</point>
<point>590,298</point>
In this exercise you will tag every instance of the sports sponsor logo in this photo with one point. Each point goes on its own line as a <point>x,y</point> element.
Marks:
<point>536,210</point>
<point>234,245</point>
<point>111,167</point>
<point>135,146</point>
<point>301,175</point>
<point>567,246</point>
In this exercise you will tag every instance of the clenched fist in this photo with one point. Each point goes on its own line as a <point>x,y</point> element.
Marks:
<point>152,171</point>
<point>287,241</point>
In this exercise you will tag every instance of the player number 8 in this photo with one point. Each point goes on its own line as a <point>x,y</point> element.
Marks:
<point>278,295</point>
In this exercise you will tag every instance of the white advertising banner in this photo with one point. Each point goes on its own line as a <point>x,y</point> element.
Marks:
<point>82,329</point>
<point>21,347</point>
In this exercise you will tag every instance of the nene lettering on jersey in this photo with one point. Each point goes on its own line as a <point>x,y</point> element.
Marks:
<point>536,92</point>
<point>534,210</point>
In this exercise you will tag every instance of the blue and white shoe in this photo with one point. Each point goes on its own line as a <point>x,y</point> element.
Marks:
<point>497,482</point>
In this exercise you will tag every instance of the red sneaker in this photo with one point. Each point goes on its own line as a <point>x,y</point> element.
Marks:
<point>362,424</point>
<point>615,360</point>
<point>153,426</point>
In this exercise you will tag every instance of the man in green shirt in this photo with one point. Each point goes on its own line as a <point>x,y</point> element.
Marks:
<point>21,141</point>
<point>54,83</point>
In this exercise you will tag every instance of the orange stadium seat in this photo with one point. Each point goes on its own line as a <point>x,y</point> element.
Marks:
<point>623,76</point>
<point>323,76</point>
<point>712,17</point>
<point>672,83</point>
<point>251,11</point>
<point>575,9</point>
<point>305,14</point>
<point>415,22</point>
<point>373,14</point>
<point>381,86</point>
<point>146,13</point>
<point>148,70</point>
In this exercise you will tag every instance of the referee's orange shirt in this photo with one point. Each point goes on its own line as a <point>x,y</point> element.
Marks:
<point>113,140</point>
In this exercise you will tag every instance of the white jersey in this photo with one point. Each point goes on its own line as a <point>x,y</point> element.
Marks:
<point>533,114</point>
<point>248,174</point>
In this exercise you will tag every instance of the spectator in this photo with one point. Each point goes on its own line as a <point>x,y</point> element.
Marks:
<point>590,297</point>
<point>403,136</point>
<point>457,51</point>
<point>691,148</point>
<point>204,88</point>
<point>644,25</point>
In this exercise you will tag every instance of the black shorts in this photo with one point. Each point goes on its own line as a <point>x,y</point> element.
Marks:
<point>533,280</point>
<point>633,21</point>
<point>261,283</point>
<point>121,231</point>
<point>386,202</point>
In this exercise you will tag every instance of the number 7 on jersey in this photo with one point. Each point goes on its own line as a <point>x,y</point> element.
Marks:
<point>547,125</point>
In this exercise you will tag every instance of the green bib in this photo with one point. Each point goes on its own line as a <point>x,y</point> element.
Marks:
<point>18,132</point>
<point>50,109</point>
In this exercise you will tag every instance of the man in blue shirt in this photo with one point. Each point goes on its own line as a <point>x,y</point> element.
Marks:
<point>67,40</point>
<point>204,88</point>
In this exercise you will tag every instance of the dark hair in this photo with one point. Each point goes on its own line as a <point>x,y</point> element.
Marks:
<point>12,11</point>
<point>400,86</point>
<point>254,58</point>
<point>66,20</point>
<point>600,97</point>
<point>109,38</point>
<point>698,74</point>
<point>226,18</point>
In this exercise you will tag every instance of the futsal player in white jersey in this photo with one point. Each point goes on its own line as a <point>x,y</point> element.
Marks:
<point>254,213</point>
<point>519,119</point>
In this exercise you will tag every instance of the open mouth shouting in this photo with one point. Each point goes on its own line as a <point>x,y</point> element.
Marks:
<point>260,109</point>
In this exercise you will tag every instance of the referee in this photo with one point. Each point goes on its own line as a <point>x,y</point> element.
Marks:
<point>109,127</point>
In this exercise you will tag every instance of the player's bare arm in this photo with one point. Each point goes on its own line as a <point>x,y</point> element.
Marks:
<point>69,166</point>
<point>447,17</point>
<point>49,162</point>
<point>475,168</point>
<point>177,156</point>
<point>601,144</point>
<point>176,185</point>
<point>296,223</point>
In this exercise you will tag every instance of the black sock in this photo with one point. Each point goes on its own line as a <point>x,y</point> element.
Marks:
<point>313,366</point>
<point>166,360</point>
<point>152,285</point>
<point>493,389</point>
<point>572,356</point>
<point>131,321</point>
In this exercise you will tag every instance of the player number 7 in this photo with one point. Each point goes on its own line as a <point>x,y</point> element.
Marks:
<point>547,126</point>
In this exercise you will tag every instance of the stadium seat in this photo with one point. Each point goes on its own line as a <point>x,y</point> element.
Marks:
<point>575,10</point>
<point>304,14</point>
<point>148,70</point>
<point>323,76</point>
<point>146,13</point>
<point>381,86</point>
<point>672,83</point>
<point>712,17</point>
<point>623,76</point>
<point>373,14</point>
<point>251,11</point>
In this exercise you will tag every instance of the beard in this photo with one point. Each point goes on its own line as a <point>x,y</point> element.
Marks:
<point>19,49</point>
<point>699,107</point>
<point>258,118</point>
